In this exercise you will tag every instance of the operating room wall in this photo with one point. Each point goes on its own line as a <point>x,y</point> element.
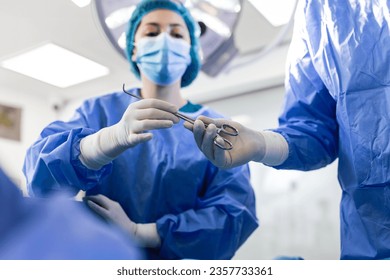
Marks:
<point>35,114</point>
<point>298,211</point>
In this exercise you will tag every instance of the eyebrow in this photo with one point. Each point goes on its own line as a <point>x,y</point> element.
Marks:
<point>158,25</point>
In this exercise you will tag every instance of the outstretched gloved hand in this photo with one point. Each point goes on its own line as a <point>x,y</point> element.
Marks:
<point>249,145</point>
<point>147,114</point>
<point>144,234</point>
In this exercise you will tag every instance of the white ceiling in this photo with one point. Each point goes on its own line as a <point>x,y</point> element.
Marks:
<point>25,24</point>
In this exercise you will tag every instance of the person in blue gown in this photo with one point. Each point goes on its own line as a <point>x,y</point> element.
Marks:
<point>140,167</point>
<point>56,228</point>
<point>337,105</point>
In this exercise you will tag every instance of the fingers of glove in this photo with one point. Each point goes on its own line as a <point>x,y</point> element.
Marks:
<point>208,145</point>
<point>217,122</point>
<point>100,200</point>
<point>140,138</point>
<point>154,103</point>
<point>189,126</point>
<point>199,130</point>
<point>205,119</point>
<point>220,123</point>
<point>155,114</point>
<point>143,125</point>
<point>220,155</point>
<point>101,211</point>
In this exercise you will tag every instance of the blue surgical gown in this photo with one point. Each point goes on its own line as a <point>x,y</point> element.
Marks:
<point>338,105</point>
<point>56,228</point>
<point>201,212</point>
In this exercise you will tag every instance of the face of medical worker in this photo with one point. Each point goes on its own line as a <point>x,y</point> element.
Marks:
<point>162,47</point>
<point>155,22</point>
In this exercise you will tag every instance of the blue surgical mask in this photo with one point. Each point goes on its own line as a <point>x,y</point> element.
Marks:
<point>163,59</point>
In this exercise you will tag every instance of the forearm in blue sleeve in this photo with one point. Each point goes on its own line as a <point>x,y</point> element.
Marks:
<point>310,128</point>
<point>308,121</point>
<point>52,163</point>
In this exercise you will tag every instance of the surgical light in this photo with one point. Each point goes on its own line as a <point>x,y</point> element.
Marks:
<point>277,12</point>
<point>82,3</point>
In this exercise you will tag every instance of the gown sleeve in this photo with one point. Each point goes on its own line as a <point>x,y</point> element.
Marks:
<point>308,119</point>
<point>46,165</point>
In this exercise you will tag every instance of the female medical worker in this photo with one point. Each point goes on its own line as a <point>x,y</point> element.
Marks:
<point>39,229</point>
<point>139,169</point>
<point>337,105</point>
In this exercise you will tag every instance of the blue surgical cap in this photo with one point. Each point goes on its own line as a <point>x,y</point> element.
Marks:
<point>145,7</point>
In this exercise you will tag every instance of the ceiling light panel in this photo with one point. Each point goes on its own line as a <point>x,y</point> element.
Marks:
<point>55,65</point>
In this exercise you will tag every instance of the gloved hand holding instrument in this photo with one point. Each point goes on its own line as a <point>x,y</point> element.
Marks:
<point>226,129</point>
<point>102,147</point>
<point>249,145</point>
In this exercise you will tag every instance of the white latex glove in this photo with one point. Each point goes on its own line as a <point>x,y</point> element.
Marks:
<point>267,147</point>
<point>144,234</point>
<point>102,147</point>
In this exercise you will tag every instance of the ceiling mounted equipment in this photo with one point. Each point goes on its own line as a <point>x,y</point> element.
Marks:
<point>218,20</point>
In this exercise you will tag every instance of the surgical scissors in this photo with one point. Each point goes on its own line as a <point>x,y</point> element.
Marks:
<point>225,128</point>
